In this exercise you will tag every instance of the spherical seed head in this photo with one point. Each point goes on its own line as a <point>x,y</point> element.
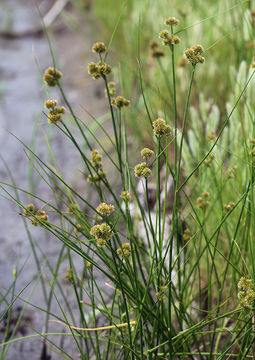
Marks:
<point>171,21</point>
<point>50,104</point>
<point>205,194</point>
<point>54,118</point>
<point>157,53</point>
<point>126,102</point>
<point>198,49</point>
<point>111,84</point>
<point>105,209</point>
<point>153,44</point>
<point>146,172</point>
<point>105,232</point>
<point>125,196</point>
<point>96,159</point>
<point>199,200</point>
<point>31,208</point>
<point>61,110</point>
<point>126,249</point>
<point>101,242</point>
<point>146,153</point>
<point>164,34</point>
<point>95,230</point>
<point>51,75</point>
<point>245,283</point>
<point>139,169</point>
<point>92,68</point>
<point>120,101</point>
<point>167,42</point>
<point>167,130</point>
<point>175,40</point>
<point>193,55</point>
<point>103,69</point>
<point>99,48</point>
<point>159,127</point>
<point>189,53</point>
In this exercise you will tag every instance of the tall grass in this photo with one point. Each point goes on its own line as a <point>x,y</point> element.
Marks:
<point>171,240</point>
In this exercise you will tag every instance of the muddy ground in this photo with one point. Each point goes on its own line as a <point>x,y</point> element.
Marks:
<point>21,104</point>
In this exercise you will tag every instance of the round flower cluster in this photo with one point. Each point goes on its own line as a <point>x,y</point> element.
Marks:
<point>99,69</point>
<point>96,160</point>
<point>160,128</point>
<point>172,21</point>
<point>146,153</point>
<point>142,170</point>
<point>111,89</point>
<point>39,215</point>
<point>125,196</point>
<point>186,234</point>
<point>201,202</point>
<point>229,206</point>
<point>105,209</point>
<point>69,276</point>
<point>102,233</point>
<point>99,48</point>
<point>124,251</point>
<point>155,52</point>
<point>194,55</point>
<point>51,76</point>
<point>120,102</point>
<point>161,294</point>
<point>30,208</point>
<point>169,39</point>
<point>246,295</point>
<point>55,114</point>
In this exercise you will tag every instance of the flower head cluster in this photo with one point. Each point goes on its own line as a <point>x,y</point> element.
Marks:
<point>246,293</point>
<point>172,21</point>
<point>99,69</point>
<point>124,251</point>
<point>111,89</point>
<point>40,216</point>
<point>160,127</point>
<point>102,233</point>
<point>161,294</point>
<point>186,234</point>
<point>146,153</point>
<point>30,208</point>
<point>51,76</point>
<point>69,276</point>
<point>229,206</point>
<point>155,51</point>
<point>105,209</point>
<point>202,203</point>
<point>55,113</point>
<point>96,160</point>
<point>208,162</point>
<point>120,102</point>
<point>169,39</point>
<point>125,195</point>
<point>142,170</point>
<point>99,48</point>
<point>194,55</point>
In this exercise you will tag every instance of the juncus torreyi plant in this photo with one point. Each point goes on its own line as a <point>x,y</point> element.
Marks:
<point>171,258</point>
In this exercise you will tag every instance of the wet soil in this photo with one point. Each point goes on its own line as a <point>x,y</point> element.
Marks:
<point>21,103</point>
